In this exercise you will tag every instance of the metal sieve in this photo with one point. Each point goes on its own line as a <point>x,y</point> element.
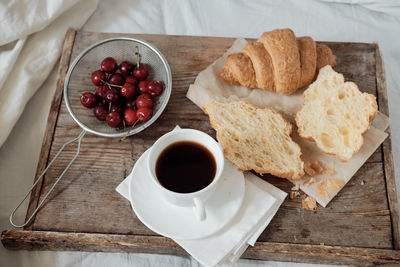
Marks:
<point>120,48</point>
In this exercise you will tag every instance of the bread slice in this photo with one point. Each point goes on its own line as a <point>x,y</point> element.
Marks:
<point>335,114</point>
<point>256,139</point>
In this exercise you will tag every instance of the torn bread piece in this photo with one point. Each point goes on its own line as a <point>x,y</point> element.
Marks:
<point>335,114</point>
<point>309,203</point>
<point>256,139</point>
<point>313,168</point>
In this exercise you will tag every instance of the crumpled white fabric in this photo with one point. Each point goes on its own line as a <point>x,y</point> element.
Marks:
<point>31,38</point>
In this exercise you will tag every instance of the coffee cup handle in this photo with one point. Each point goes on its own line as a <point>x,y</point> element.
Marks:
<point>199,209</point>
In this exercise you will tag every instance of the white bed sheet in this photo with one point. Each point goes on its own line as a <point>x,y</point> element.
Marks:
<point>323,20</point>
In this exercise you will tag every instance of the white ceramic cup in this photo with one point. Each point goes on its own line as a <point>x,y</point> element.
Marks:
<point>194,199</point>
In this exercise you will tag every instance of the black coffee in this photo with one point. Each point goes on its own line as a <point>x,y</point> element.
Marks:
<point>185,167</point>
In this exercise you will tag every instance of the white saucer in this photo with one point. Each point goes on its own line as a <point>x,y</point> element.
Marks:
<point>176,222</point>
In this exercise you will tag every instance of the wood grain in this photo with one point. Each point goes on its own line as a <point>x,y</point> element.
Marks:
<point>51,120</point>
<point>321,253</point>
<point>387,151</point>
<point>86,213</point>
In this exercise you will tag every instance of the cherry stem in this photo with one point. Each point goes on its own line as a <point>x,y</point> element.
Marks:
<point>114,85</point>
<point>110,84</point>
<point>109,107</point>
<point>126,135</point>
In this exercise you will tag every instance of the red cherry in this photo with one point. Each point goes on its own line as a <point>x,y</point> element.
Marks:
<point>112,95</point>
<point>89,100</point>
<point>109,65</point>
<point>131,80</point>
<point>98,77</point>
<point>101,92</point>
<point>155,88</point>
<point>128,90</point>
<point>130,103</point>
<point>116,79</point>
<point>125,67</point>
<point>130,116</point>
<point>140,72</point>
<point>143,86</point>
<point>114,119</point>
<point>145,101</point>
<point>100,112</point>
<point>144,114</point>
<point>116,108</point>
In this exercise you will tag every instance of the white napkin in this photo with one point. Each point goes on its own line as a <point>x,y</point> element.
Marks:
<point>32,34</point>
<point>260,203</point>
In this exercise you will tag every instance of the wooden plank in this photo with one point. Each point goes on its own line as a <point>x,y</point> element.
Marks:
<point>387,151</point>
<point>51,121</point>
<point>322,254</point>
<point>49,240</point>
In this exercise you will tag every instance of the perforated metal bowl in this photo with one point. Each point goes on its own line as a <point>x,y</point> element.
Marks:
<point>80,72</point>
<point>120,48</point>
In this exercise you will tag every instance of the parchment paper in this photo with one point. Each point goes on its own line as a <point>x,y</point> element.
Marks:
<point>209,86</point>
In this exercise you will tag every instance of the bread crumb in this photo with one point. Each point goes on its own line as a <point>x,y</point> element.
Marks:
<point>307,168</point>
<point>296,187</point>
<point>317,167</point>
<point>292,195</point>
<point>309,181</point>
<point>313,167</point>
<point>295,191</point>
<point>334,184</point>
<point>321,189</point>
<point>330,170</point>
<point>309,203</point>
<point>322,244</point>
<point>362,182</point>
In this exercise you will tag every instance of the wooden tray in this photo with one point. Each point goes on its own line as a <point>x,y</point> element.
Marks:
<point>359,227</point>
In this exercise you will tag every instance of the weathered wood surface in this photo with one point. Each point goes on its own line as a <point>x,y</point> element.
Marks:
<point>161,245</point>
<point>86,201</point>
<point>52,118</point>
<point>387,152</point>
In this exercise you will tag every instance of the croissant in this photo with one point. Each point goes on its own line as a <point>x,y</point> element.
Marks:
<point>277,61</point>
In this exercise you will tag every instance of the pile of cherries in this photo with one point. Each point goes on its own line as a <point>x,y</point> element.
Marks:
<point>122,98</point>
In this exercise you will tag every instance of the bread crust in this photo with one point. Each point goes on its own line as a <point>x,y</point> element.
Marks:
<point>325,57</point>
<point>262,64</point>
<point>278,62</point>
<point>239,68</point>
<point>293,175</point>
<point>282,46</point>
<point>308,60</point>
<point>227,76</point>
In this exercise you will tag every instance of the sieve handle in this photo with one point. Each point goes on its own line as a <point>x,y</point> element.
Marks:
<point>79,139</point>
